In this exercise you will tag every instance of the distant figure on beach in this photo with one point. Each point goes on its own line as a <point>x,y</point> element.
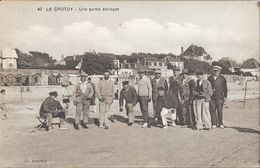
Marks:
<point>65,97</point>
<point>219,86</point>
<point>51,108</point>
<point>3,104</point>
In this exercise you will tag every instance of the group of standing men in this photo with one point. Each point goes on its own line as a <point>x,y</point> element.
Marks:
<point>197,104</point>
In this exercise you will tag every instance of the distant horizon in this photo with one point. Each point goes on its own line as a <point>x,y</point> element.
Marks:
<point>223,29</point>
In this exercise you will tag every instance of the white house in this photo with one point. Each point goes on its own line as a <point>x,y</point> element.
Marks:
<point>8,59</point>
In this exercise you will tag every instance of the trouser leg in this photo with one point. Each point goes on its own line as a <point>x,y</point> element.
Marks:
<point>155,108</point>
<point>198,112</point>
<point>212,108</point>
<point>173,115</point>
<point>164,113</point>
<point>49,119</point>
<point>130,112</point>
<point>102,111</point>
<point>219,105</point>
<point>79,107</point>
<point>106,114</point>
<point>206,114</point>
<point>86,112</point>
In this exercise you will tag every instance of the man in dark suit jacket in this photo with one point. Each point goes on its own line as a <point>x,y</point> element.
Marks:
<point>175,81</point>
<point>219,86</point>
<point>157,82</point>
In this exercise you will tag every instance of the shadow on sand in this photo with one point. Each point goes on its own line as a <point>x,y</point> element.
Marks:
<point>245,130</point>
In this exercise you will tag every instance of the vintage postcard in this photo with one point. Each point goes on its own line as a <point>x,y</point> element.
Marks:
<point>129,84</point>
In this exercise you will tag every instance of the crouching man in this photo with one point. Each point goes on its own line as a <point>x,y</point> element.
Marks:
<point>51,108</point>
<point>167,103</point>
<point>130,95</point>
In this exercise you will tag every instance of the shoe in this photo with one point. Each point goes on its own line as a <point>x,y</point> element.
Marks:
<point>214,126</point>
<point>184,126</point>
<point>173,124</point>
<point>63,128</point>
<point>129,124</point>
<point>76,126</point>
<point>3,117</point>
<point>207,129</point>
<point>195,128</point>
<point>155,120</point>
<point>145,125</point>
<point>49,129</point>
<point>85,126</point>
<point>106,127</point>
<point>165,127</point>
<point>100,125</point>
<point>221,126</point>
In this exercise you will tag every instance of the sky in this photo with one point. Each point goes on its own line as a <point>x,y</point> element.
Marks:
<point>223,28</point>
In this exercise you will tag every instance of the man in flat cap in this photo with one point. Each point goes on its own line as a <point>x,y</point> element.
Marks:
<point>51,108</point>
<point>174,82</point>
<point>186,100</point>
<point>128,93</point>
<point>219,86</point>
<point>202,94</point>
<point>105,93</point>
<point>144,95</point>
<point>82,94</point>
<point>157,82</point>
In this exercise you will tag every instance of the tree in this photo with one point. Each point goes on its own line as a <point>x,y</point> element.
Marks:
<point>97,64</point>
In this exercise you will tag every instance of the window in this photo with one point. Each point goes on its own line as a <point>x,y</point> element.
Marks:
<point>160,64</point>
<point>155,63</point>
<point>149,64</point>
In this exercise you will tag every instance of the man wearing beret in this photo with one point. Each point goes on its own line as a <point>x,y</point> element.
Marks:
<point>144,95</point>
<point>219,86</point>
<point>128,93</point>
<point>51,108</point>
<point>202,94</point>
<point>81,98</point>
<point>105,93</point>
<point>157,82</point>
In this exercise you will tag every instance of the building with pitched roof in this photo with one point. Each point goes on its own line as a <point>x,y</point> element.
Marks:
<point>251,65</point>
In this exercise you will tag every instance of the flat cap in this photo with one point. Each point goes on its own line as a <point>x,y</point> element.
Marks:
<point>199,73</point>
<point>54,93</point>
<point>125,83</point>
<point>216,68</point>
<point>157,71</point>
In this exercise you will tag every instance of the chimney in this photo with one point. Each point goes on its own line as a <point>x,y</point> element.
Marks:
<point>181,50</point>
<point>74,57</point>
<point>62,57</point>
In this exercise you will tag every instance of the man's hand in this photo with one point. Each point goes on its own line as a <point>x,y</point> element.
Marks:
<point>182,101</point>
<point>121,109</point>
<point>102,99</point>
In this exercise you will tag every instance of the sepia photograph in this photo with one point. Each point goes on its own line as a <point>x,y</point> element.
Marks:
<point>129,84</point>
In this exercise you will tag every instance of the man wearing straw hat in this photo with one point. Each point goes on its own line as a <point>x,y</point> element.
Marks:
<point>81,98</point>
<point>105,93</point>
<point>219,86</point>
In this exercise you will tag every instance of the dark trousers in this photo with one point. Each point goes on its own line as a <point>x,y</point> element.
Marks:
<point>189,112</point>
<point>143,101</point>
<point>180,114</point>
<point>216,111</point>
<point>156,110</point>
